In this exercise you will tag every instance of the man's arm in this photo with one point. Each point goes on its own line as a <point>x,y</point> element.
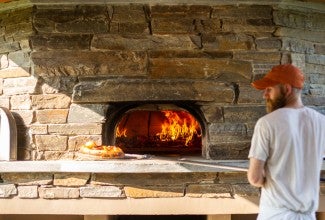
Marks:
<point>256,172</point>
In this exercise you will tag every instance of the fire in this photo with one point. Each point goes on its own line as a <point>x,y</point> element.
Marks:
<point>179,125</point>
<point>120,133</point>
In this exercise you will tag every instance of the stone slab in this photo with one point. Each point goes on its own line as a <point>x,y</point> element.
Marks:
<point>151,90</point>
<point>151,165</point>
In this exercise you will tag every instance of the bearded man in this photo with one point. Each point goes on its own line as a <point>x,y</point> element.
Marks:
<point>287,148</point>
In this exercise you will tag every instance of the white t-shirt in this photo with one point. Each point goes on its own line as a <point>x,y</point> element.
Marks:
<point>292,143</point>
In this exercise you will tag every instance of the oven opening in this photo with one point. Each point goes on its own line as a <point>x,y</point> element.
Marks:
<point>158,130</point>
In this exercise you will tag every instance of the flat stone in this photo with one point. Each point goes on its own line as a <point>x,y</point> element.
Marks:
<point>4,62</point>
<point>123,13</point>
<point>312,36</point>
<point>84,26</point>
<point>19,59</point>
<point>244,11</point>
<point>177,19</point>
<point>56,41</point>
<point>230,149</point>
<point>20,31</point>
<point>204,54</point>
<point>52,116</point>
<point>154,191</point>
<point>179,179</point>
<point>51,142</point>
<point>20,85</point>
<point>21,102</point>
<point>227,41</point>
<point>9,47</point>
<point>4,102</point>
<point>248,26</point>
<point>299,20</point>
<point>50,101</point>
<point>316,78</point>
<point>27,178</point>
<point>101,192</point>
<point>224,132</point>
<point>27,192</point>
<point>71,179</point>
<point>208,191</point>
<point>58,84</point>
<point>87,113</point>
<point>7,190</point>
<point>212,113</point>
<point>298,46</point>
<point>316,59</point>
<point>315,68</point>
<point>57,155</point>
<point>268,43</point>
<point>83,19</point>
<point>235,114</point>
<point>109,63</point>
<point>125,167</point>
<point>258,56</point>
<point>319,48</point>
<point>232,177</point>
<point>58,193</point>
<point>38,129</point>
<point>142,42</point>
<point>249,95</point>
<point>23,117</point>
<point>245,190</point>
<point>75,129</point>
<point>151,90</point>
<point>191,68</point>
<point>180,10</point>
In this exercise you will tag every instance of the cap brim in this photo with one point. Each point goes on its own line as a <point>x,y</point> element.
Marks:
<point>263,83</point>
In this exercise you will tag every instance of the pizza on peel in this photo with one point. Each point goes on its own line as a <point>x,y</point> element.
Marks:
<point>103,151</point>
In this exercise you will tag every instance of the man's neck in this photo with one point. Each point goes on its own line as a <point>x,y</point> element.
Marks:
<point>294,102</point>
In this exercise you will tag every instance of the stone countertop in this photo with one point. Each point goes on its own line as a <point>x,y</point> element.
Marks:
<point>143,165</point>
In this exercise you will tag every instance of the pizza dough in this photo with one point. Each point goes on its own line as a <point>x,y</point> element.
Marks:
<point>103,151</point>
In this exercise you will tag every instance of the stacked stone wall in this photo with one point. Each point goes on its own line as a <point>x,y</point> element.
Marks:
<point>124,186</point>
<point>62,65</point>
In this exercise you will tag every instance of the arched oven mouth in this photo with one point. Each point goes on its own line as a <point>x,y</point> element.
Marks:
<point>156,128</point>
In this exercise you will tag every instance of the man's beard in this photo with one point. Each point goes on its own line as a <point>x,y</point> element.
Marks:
<point>278,102</point>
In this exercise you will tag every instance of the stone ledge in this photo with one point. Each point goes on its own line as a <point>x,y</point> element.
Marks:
<point>151,165</point>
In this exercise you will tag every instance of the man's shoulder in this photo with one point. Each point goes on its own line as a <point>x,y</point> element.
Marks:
<point>316,111</point>
<point>279,113</point>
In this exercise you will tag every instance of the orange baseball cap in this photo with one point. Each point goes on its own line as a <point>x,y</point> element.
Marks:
<point>281,74</point>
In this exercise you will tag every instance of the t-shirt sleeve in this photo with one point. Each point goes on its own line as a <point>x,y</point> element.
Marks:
<point>260,141</point>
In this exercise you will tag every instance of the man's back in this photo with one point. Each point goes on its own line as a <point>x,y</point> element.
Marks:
<point>290,140</point>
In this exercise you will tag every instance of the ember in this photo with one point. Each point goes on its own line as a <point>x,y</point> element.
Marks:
<point>159,132</point>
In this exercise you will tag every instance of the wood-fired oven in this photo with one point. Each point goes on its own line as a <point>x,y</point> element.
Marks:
<point>174,128</point>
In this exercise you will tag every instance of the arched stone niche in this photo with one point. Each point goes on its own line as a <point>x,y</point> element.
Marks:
<point>8,135</point>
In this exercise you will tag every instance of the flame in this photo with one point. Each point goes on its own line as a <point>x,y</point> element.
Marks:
<point>121,133</point>
<point>179,125</point>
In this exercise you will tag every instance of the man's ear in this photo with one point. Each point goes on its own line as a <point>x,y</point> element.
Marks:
<point>288,89</point>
